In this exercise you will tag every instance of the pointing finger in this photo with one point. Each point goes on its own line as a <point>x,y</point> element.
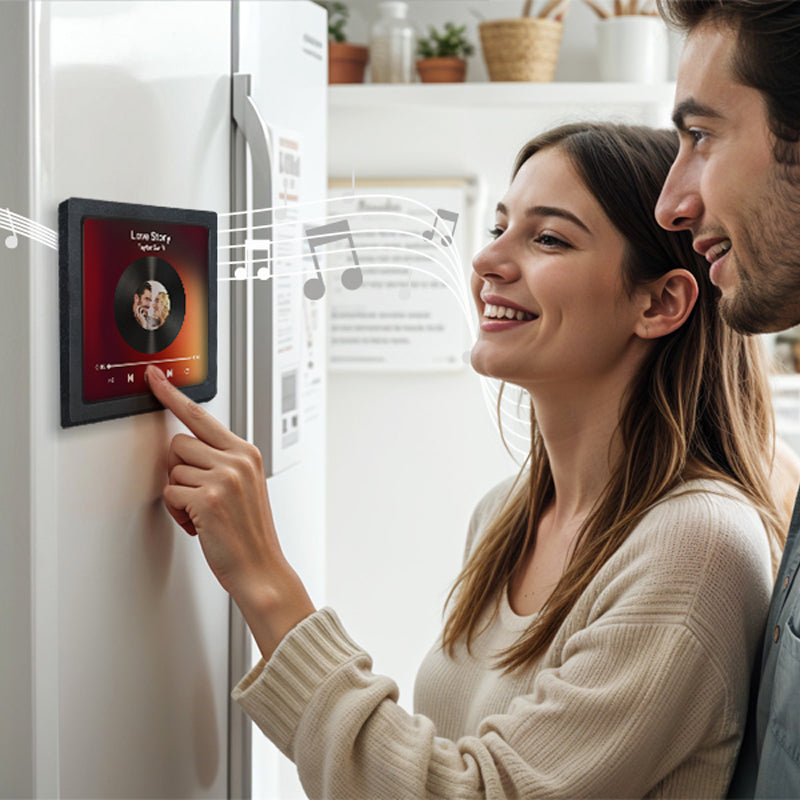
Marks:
<point>202,424</point>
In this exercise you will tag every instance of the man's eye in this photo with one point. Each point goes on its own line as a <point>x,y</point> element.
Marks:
<point>697,135</point>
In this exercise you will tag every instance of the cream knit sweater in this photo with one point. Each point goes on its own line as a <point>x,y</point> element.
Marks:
<point>642,693</point>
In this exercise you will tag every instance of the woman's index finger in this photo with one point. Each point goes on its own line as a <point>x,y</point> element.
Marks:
<point>202,424</point>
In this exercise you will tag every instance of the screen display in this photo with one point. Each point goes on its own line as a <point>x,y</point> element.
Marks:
<point>145,301</point>
<point>137,286</point>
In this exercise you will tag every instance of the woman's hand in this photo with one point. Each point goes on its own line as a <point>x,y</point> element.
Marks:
<point>217,492</point>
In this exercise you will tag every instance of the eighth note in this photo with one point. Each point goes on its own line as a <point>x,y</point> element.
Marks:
<point>352,277</point>
<point>12,240</point>
<point>450,216</point>
<point>252,246</point>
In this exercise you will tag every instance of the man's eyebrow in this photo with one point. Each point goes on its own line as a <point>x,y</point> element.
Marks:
<point>548,211</point>
<point>691,108</point>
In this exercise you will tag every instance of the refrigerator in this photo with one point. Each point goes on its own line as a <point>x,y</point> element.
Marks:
<point>118,649</point>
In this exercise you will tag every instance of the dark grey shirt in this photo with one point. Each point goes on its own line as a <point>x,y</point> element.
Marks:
<point>769,762</point>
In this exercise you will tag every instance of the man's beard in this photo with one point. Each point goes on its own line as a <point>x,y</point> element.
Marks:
<point>767,295</point>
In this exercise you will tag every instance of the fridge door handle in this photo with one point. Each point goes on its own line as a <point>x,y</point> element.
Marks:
<point>251,362</point>
<point>248,118</point>
<point>252,334</point>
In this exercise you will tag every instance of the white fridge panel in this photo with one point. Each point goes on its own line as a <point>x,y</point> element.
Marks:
<point>289,86</point>
<point>131,629</point>
<point>283,46</point>
<point>16,683</point>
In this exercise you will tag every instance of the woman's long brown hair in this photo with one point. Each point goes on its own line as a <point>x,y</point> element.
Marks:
<point>699,406</point>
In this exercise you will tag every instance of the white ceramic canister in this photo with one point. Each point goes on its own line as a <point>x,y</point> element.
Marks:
<point>632,47</point>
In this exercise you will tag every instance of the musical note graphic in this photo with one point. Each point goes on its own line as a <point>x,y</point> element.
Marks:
<point>12,240</point>
<point>22,226</point>
<point>450,216</point>
<point>252,246</point>
<point>352,278</point>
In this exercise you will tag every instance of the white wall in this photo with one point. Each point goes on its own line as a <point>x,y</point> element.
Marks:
<point>410,454</point>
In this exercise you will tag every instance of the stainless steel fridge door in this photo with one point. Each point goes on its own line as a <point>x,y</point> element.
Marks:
<point>124,628</point>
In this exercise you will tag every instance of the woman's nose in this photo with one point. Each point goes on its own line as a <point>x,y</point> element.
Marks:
<point>497,261</point>
<point>680,204</point>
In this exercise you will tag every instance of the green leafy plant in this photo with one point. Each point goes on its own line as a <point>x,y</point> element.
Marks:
<point>449,43</point>
<point>338,14</point>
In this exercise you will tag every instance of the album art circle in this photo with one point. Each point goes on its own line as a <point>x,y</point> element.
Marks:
<point>149,304</point>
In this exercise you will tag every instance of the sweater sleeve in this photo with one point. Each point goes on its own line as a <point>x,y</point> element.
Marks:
<point>631,695</point>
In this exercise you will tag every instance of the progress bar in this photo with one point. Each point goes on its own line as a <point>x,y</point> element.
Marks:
<point>145,363</point>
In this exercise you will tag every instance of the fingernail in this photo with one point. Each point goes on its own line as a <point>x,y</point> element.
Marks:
<point>154,372</point>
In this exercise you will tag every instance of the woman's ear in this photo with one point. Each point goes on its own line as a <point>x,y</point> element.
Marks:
<point>667,303</point>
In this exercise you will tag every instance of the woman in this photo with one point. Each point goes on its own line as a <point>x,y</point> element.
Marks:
<point>600,636</point>
<point>160,310</point>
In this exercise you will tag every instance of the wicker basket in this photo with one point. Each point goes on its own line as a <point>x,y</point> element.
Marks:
<point>521,49</point>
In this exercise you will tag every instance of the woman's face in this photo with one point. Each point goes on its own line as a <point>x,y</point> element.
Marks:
<point>556,263</point>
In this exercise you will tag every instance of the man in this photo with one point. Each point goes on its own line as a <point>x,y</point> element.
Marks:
<point>735,185</point>
<point>142,298</point>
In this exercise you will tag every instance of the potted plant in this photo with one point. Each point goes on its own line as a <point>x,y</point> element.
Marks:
<point>346,62</point>
<point>442,54</point>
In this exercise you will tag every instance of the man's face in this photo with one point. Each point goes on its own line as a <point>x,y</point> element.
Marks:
<point>144,299</point>
<point>742,207</point>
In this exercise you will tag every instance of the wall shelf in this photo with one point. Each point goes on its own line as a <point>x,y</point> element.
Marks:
<point>501,95</point>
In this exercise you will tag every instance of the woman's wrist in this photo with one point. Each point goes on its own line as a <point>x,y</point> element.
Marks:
<point>271,611</point>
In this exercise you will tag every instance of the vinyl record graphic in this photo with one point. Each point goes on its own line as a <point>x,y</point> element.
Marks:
<point>149,304</point>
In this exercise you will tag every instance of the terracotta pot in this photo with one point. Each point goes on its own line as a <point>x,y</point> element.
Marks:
<point>346,62</point>
<point>442,70</point>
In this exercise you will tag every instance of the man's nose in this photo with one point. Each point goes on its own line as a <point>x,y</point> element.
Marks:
<point>680,205</point>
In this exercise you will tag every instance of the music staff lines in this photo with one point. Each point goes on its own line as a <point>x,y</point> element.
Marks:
<point>455,290</point>
<point>271,257</point>
<point>23,226</point>
<point>511,426</point>
<point>268,275</point>
<point>460,278</point>
<point>429,235</point>
<point>312,203</point>
<point>256,245</point>
<point>332,217</point>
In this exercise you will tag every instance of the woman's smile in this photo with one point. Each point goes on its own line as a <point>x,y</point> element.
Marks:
<point>500,314</point>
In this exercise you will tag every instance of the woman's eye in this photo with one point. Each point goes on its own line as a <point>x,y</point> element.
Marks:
<point>495,232</point>
<point>548,240</point>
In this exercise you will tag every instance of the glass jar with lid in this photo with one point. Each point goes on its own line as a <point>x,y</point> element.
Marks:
<point>392,44</point>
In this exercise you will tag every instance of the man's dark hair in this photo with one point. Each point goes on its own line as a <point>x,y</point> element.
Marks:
<point>767,55</point>
<point>144,287</point>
